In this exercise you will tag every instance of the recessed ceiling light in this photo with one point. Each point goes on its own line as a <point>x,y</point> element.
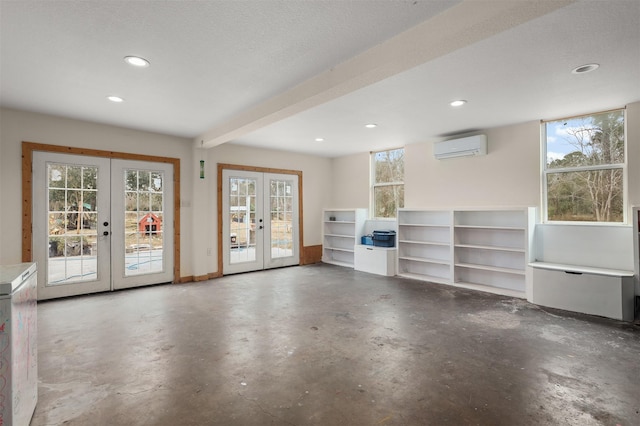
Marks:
<point>136,61</point>
<point>115,98</point>
<point>457,103</point>
<point>585,68</point>
<point>370,126</point>
<point>319,139</point>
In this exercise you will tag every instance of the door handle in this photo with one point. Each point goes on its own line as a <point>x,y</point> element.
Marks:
<point>260,227</point>
<point>105,233</point>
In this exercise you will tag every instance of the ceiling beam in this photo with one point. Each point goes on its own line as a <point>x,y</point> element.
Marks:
<point>462,25</point>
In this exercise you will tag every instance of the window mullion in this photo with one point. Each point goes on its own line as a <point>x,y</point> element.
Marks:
<point>585,168</point>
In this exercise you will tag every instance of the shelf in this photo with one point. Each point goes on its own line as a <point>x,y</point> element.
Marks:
<point>426,243</point>
<point>424,225</point>
<point>494,248</point>
<point>486,250</point>
<point>341,230</point>
<point>490,268</point>
<point>339,249</point>
<point>490,289</point>
<point>339,263</point>
<point>425,260</point>
<point>493,228</point>
<point>340,236</point>
<point>421,277</point>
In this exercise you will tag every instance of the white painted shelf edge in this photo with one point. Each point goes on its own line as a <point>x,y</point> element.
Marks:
<point>491,268</point>
<point>430,243</point>
<point>421,277</point>
<point>425,260</point>
<point>491,289</point>
<point>339,263</point>
<point>582,269</point>
<point>496,248</point>
<point>339,249</point>
<point>424,225</point>
<point>492,228</point>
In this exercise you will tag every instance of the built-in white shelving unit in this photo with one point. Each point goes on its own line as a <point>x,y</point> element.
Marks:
<point>341,229</point>
<point>424,245</point>
<point>491,249</point>
<point>485,250</point>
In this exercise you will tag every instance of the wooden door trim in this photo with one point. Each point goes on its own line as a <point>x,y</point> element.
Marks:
<point>224,166</point>
<point>27,187</point>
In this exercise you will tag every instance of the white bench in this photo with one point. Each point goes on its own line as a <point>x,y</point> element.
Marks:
<point>590,290</point>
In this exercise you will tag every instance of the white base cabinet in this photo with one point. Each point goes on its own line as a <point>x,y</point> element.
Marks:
<point>591,291</point>
<point>375,260</point>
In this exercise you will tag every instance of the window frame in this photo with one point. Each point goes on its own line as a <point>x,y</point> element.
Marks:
<point>545,172</point>
<point>373,184</point>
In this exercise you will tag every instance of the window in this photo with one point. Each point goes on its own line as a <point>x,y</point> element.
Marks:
<point>584,173</point>
<point>388,182</point>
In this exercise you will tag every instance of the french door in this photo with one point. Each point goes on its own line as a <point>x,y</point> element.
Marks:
<point>100,224</point>
<point>260,223</point>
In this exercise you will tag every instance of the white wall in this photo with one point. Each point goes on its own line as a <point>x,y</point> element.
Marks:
<point>315,183</point>
<point>19,126</point>
<point>350,181</point>
<point>508,176</point>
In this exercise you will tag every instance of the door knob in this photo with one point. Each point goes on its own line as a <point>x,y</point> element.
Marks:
<point>260,227</point>
<point>105,233</point>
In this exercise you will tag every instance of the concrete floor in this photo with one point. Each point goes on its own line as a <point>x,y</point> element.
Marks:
<point>325,345</point>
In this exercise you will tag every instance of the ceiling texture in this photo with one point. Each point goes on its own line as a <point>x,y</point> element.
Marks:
<point>280,74</point>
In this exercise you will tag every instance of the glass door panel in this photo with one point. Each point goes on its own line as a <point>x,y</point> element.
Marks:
<point>143,215</point>
<point>70,217</point>
<point>282,230</point>
<point>143,231</point>
<point>242,221</point>
<point>72,227</point>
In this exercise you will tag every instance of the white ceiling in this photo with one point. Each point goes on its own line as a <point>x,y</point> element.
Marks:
<point>278,74</point>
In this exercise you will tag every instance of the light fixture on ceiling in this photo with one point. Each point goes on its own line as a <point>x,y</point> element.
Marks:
<point>116,99</point>
<point>319,139</point>
<point>371,126</point>
<point>136,61</point>
<point>583,69</point>
<point>457,103</point>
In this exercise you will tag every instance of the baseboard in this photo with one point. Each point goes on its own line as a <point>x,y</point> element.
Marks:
<point>197,278</point>
<point>311,254</point>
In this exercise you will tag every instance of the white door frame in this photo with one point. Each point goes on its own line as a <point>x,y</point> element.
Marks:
<point>220,186</point>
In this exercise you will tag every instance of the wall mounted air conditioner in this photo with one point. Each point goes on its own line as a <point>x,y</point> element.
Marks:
<point>463,147</point>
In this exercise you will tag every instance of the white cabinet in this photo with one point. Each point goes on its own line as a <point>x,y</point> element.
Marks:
<point>594,291</point>
<point>341,231</point>
<point>375,260</point>
<point>424,245</point>
<point>479,249</point>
